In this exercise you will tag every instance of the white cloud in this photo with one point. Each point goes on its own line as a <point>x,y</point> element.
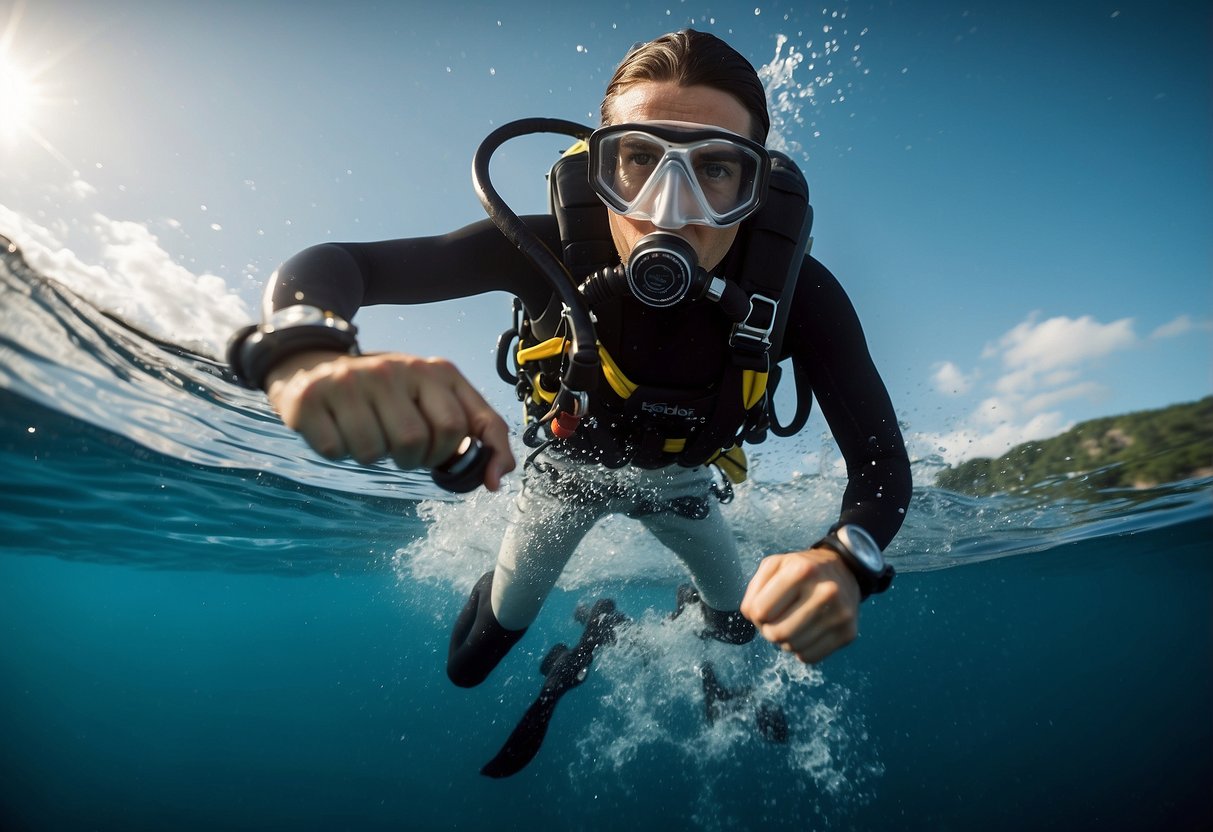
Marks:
<point>1044,360</point>
<point>1061,342</point>
<point>1180,326</point>
<point>160,295</point>
<point>992,411</point>
<point>1059,377</point>
<point>81,189</point>
<point>1016,383</point>
<point>992,440</point>
<point>950,380</point>
<point>1054,398</point>
<point>1044,366</point>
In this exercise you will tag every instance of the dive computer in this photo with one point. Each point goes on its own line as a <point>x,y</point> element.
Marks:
<point>862,556</point>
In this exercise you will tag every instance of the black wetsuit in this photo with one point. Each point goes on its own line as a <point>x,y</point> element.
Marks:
<point>651,346</point>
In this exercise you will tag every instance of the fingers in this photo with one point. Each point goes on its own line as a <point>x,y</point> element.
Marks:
<point>805,603</point>
<point>487,425</point>
<point>453,409</point>
<point>422,414</point>
<point>414,410</point>
<point>774,587</point>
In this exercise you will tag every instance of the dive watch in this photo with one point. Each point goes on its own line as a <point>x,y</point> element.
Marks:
<point>862,556</point>
<point>254,350</point>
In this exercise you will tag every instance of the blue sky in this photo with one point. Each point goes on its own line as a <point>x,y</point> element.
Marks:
<point>1017,196</point>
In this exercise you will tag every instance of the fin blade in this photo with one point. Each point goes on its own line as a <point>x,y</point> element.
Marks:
<point>525,740</point>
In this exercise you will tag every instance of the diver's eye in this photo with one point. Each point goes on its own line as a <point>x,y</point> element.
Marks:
<point>715,171</point>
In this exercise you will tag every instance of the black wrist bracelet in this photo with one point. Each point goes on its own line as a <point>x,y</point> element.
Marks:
<point>254,350</point>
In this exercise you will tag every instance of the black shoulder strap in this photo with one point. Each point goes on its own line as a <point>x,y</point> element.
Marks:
<point>585,235</point>
<point>775,241</point>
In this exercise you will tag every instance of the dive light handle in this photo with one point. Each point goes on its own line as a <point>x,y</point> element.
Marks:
<point>464,471</point>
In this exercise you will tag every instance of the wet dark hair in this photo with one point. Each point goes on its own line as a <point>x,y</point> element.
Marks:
<point>691,58</point>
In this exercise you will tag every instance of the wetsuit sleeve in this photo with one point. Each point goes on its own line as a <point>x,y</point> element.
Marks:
<point>825,336</point>
<point>343,277</point>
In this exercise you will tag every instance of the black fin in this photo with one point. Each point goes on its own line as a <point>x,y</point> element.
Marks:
<point>554,655</point>
<point>772,722</point>
<point>683,598</point>
<point>715,694</point>
<point>718,700</point>
<point>565,670</point>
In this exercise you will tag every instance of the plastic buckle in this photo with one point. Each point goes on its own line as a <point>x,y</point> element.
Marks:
<point>755,337</point>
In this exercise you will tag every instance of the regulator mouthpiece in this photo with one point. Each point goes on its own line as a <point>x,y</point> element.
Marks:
<point>663,270</point>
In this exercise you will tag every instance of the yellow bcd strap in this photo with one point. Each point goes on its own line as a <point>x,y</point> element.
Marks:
<point>753,386</point>
<point>579,146</point>
<point>621,384</point>
<point>732,463</point>
<point>546,349</point>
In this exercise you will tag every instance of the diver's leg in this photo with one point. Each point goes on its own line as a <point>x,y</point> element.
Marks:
<point>537,546</point>
<point>543,532</point>
<point>692,525</point>
<point>478,641</point>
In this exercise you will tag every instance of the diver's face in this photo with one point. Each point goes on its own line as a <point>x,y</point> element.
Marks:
<point>667,101</point>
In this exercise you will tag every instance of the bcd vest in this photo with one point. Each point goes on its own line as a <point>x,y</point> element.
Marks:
<point>652,425</point>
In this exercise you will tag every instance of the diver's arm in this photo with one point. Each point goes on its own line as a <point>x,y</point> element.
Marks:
<point>828,338</point>
<point>343,277</point>
<point>415,410</point>
<point>807,602</point>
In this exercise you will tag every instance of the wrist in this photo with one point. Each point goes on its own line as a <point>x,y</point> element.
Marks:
<point>862,556</point>
<point>298,362</point>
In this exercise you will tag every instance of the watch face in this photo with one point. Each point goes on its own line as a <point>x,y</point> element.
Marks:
<point>296,315</point>
<point>862,546</point>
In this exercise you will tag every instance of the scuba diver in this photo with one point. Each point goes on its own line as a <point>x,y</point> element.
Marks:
<point>684,241</point>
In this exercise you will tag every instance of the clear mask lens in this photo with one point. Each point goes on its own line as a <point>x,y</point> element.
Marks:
<point>705,180</point>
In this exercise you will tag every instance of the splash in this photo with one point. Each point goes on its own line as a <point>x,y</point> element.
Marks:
<point>463,536</point>
<point>796,103</point>
<point>652,704</point>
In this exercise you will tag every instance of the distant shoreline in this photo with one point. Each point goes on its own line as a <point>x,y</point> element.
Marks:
<point>1134,450</point>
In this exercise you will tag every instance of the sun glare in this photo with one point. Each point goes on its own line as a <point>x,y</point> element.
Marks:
<point>18,100</point>
<point>23,95</point>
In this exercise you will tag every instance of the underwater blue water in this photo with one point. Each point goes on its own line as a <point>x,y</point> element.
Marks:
<point>203,626</point>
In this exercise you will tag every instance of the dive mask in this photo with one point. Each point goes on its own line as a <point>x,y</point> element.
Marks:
<point>675,173</point>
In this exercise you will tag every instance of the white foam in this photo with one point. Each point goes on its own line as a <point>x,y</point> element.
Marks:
<point>137,280</point>
<point>463,536</point>
<point>652,698</point>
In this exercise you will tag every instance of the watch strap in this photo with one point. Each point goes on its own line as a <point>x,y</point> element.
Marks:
<point>870,583</point>
<point>255,350</point>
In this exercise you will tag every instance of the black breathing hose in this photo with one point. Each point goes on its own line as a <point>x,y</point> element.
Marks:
<point>465,471</point>
<point>582,372</point>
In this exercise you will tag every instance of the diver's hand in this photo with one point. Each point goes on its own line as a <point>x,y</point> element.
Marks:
<point>414,410</point>
<point>806,603</point>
